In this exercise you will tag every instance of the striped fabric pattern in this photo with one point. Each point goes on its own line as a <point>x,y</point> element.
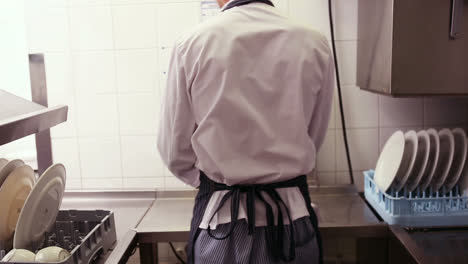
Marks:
<point>201,201</point>
<point>240,248</point>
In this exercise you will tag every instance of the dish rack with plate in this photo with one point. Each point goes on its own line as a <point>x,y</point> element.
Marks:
<point>417,209</point>
<point>85,234</point>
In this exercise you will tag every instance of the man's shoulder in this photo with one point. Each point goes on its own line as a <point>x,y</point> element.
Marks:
<point>200,31</point>
<point>219,25</point>
<point>307,30</point>
<point>310,36</point>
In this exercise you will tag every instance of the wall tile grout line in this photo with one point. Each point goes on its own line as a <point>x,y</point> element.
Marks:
<point>158,88</point>
<point>116,95</point>
<point>77,140</point>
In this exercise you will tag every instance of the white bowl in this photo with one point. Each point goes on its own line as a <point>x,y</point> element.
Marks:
<point>51,255</point>
<point>19,255</point>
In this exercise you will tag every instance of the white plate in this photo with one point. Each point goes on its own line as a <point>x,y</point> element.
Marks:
<point>433,159</point>
<point>409,158</point>
<point>3,162</point>
<point>41,208</point>
<point>420,164</point>
<point>13,194</point>
<point>447,150</point>
<point>463,183</point>
<point>459,158</point>
<point>389,161</point>
<point>9,168</point>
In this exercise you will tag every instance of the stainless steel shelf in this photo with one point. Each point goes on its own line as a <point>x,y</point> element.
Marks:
<point>20,117</point>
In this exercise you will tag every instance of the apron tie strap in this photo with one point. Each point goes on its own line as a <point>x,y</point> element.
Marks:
<point>275,233</point>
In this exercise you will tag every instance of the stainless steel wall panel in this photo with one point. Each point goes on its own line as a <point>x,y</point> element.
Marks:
<point>405,48</point>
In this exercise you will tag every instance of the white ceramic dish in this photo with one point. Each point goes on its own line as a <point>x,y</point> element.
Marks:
<point>463,182</point>
<point>3,162</point>
<point>459,158</point>
<point>409,158</point>
<point>19,255</point>
<point>420,164</point>
<point>447,150</point>
<point>13,194</point>
<point>41,208</point>
<point>9,168</point>
<point>389,161</point>
<point>52,255</point>
<point>433,159</point>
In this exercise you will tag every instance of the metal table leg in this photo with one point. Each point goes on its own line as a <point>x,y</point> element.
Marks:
<point>149,253</point>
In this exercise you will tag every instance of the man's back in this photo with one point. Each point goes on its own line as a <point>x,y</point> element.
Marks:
<point>253,78</point>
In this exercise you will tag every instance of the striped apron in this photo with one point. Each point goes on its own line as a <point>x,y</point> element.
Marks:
<point>270,240</point>
<point>267,244</point>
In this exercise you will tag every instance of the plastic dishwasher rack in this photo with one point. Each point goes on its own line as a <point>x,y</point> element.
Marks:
<point>418,209</point>
<point>85,234</point>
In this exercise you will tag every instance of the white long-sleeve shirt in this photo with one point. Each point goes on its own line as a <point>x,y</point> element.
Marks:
<point>248,100</point>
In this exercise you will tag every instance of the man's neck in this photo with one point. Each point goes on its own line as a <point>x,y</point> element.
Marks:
<point>223,3</point>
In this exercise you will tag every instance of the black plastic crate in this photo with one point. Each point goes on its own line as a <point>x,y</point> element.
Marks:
<point>85,234</point>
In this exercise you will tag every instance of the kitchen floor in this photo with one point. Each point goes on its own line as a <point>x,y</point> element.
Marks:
<point>135,259</point>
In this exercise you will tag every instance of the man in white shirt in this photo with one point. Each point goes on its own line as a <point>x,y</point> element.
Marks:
<point>246,109</point>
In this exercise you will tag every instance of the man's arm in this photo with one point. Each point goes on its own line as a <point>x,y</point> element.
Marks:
<point>321,116</point>
<point>177,125</point>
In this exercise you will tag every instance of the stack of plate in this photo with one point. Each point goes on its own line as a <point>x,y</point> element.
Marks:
<point>428,160</point>
<point>28,207</point>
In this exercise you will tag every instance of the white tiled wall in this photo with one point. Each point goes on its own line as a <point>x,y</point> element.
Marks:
<point>91,28</point>
<point>134,26</point>
<point>108,59</point>
<point>136,70</point>
<point>132,165</point>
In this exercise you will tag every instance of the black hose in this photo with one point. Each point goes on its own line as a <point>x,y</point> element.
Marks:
<point>175,253</point>
<point>340,96</point>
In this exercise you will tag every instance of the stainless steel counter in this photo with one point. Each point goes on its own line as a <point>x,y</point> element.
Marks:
<point>148,218</point>
<point>337,211</point>
<point>167,215</point>
<point>342,213</point>
<point>129,208</point>
<point>432,246</point>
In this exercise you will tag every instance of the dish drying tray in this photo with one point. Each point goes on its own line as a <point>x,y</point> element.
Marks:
<point>417,209</point>
<point>85,234</point>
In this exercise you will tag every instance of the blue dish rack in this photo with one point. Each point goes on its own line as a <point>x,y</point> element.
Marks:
<point>417,209</point>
